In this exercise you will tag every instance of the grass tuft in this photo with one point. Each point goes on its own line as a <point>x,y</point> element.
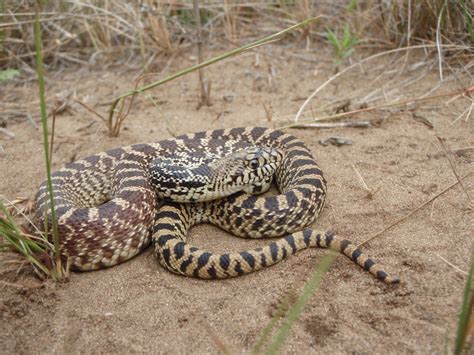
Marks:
<point>406,22</point>
<point>8,74</point>
<point>343,46</point>
<point>33,248</point>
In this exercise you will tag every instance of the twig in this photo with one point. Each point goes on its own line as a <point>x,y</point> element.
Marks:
<point>298,114</point>
<point>361,179</point>
<point>466,112</point>
<point>217,117</point>
<point>452,265</point>
<point>7,132</point>
<point>204,97</point>
<point>36,285</point>
<point>268,111</point>
<point>412,212</point>
<point>355,124</point>
<point>90,109</point>
<point>438,42</point>
<point>372,108</point>
<point>30,119</point>
<point>441,142</point>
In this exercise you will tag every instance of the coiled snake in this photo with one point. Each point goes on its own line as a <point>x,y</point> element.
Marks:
<point>108,211</point>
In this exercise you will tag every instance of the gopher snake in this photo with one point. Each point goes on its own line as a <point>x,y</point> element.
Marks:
<point>107,210</point>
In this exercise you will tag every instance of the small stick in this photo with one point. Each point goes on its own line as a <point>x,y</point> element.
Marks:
<point>90,109</point>
<point>7,132</point>
<point>361,179</point>
<point>466,112</point>
<point>463,149</point>
<point>399,103</point>
<point>204,98</point>
<point>30,119</point>
<point>441,142</point>
<point>217,117</point>
<point>298,114</point>
<point>32,286</point>
<point>356,124</point>
<point>412,212</point>
<point>268,111</point>
<point>438,42</point>
<point>452,265</point>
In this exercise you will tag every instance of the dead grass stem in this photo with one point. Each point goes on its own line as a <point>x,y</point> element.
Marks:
<point>355,65</point>
<point>336,116</point>
<point>400,220</point>
<point>453,168</point>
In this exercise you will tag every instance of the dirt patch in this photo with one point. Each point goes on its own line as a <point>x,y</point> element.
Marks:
<point>140,307</point>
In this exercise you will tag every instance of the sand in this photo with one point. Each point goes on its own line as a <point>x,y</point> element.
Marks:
<point>140,307</point>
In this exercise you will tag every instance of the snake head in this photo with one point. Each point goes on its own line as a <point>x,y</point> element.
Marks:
<point>197,177</point>
<point>250,170</point>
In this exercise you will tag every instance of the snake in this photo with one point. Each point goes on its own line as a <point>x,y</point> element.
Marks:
<point>112,205</point>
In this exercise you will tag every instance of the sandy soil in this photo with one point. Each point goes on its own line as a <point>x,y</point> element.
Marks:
<point>140,307</point>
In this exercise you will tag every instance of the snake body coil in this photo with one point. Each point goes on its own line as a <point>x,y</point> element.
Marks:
<point>107,210</point>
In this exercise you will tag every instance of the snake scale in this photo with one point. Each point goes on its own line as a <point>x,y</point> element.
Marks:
<point>108,211</point>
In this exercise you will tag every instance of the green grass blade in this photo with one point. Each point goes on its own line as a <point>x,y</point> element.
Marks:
<point>298,307</point>
<point>44,122</point>
<point>351,6</point>
<point>21,243</point>
<point>468,18</point>
<point>466,311</point>
<point>333,40</point>
<point>265,334</point>
<point>7,74</point>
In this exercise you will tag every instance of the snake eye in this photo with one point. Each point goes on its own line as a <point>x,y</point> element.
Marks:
<point>254,164</point>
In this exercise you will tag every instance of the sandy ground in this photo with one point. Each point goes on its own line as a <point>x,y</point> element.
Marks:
<point>140,307</point>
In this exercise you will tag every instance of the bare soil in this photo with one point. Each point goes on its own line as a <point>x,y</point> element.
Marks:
<point>140,307</point>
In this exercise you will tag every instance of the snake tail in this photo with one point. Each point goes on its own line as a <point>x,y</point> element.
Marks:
<point>179,257</point>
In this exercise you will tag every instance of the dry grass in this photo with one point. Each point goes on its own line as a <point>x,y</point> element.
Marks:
<point>88,32</point>
<point>408,22</point>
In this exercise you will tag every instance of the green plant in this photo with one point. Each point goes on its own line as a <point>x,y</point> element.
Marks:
<point>186,16</point>
<point>468,18</point>
<point>466,317</point>
<point>8,74</point>
<point>344,46</point>
<point>351,6</point>
<point>33,248</point>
